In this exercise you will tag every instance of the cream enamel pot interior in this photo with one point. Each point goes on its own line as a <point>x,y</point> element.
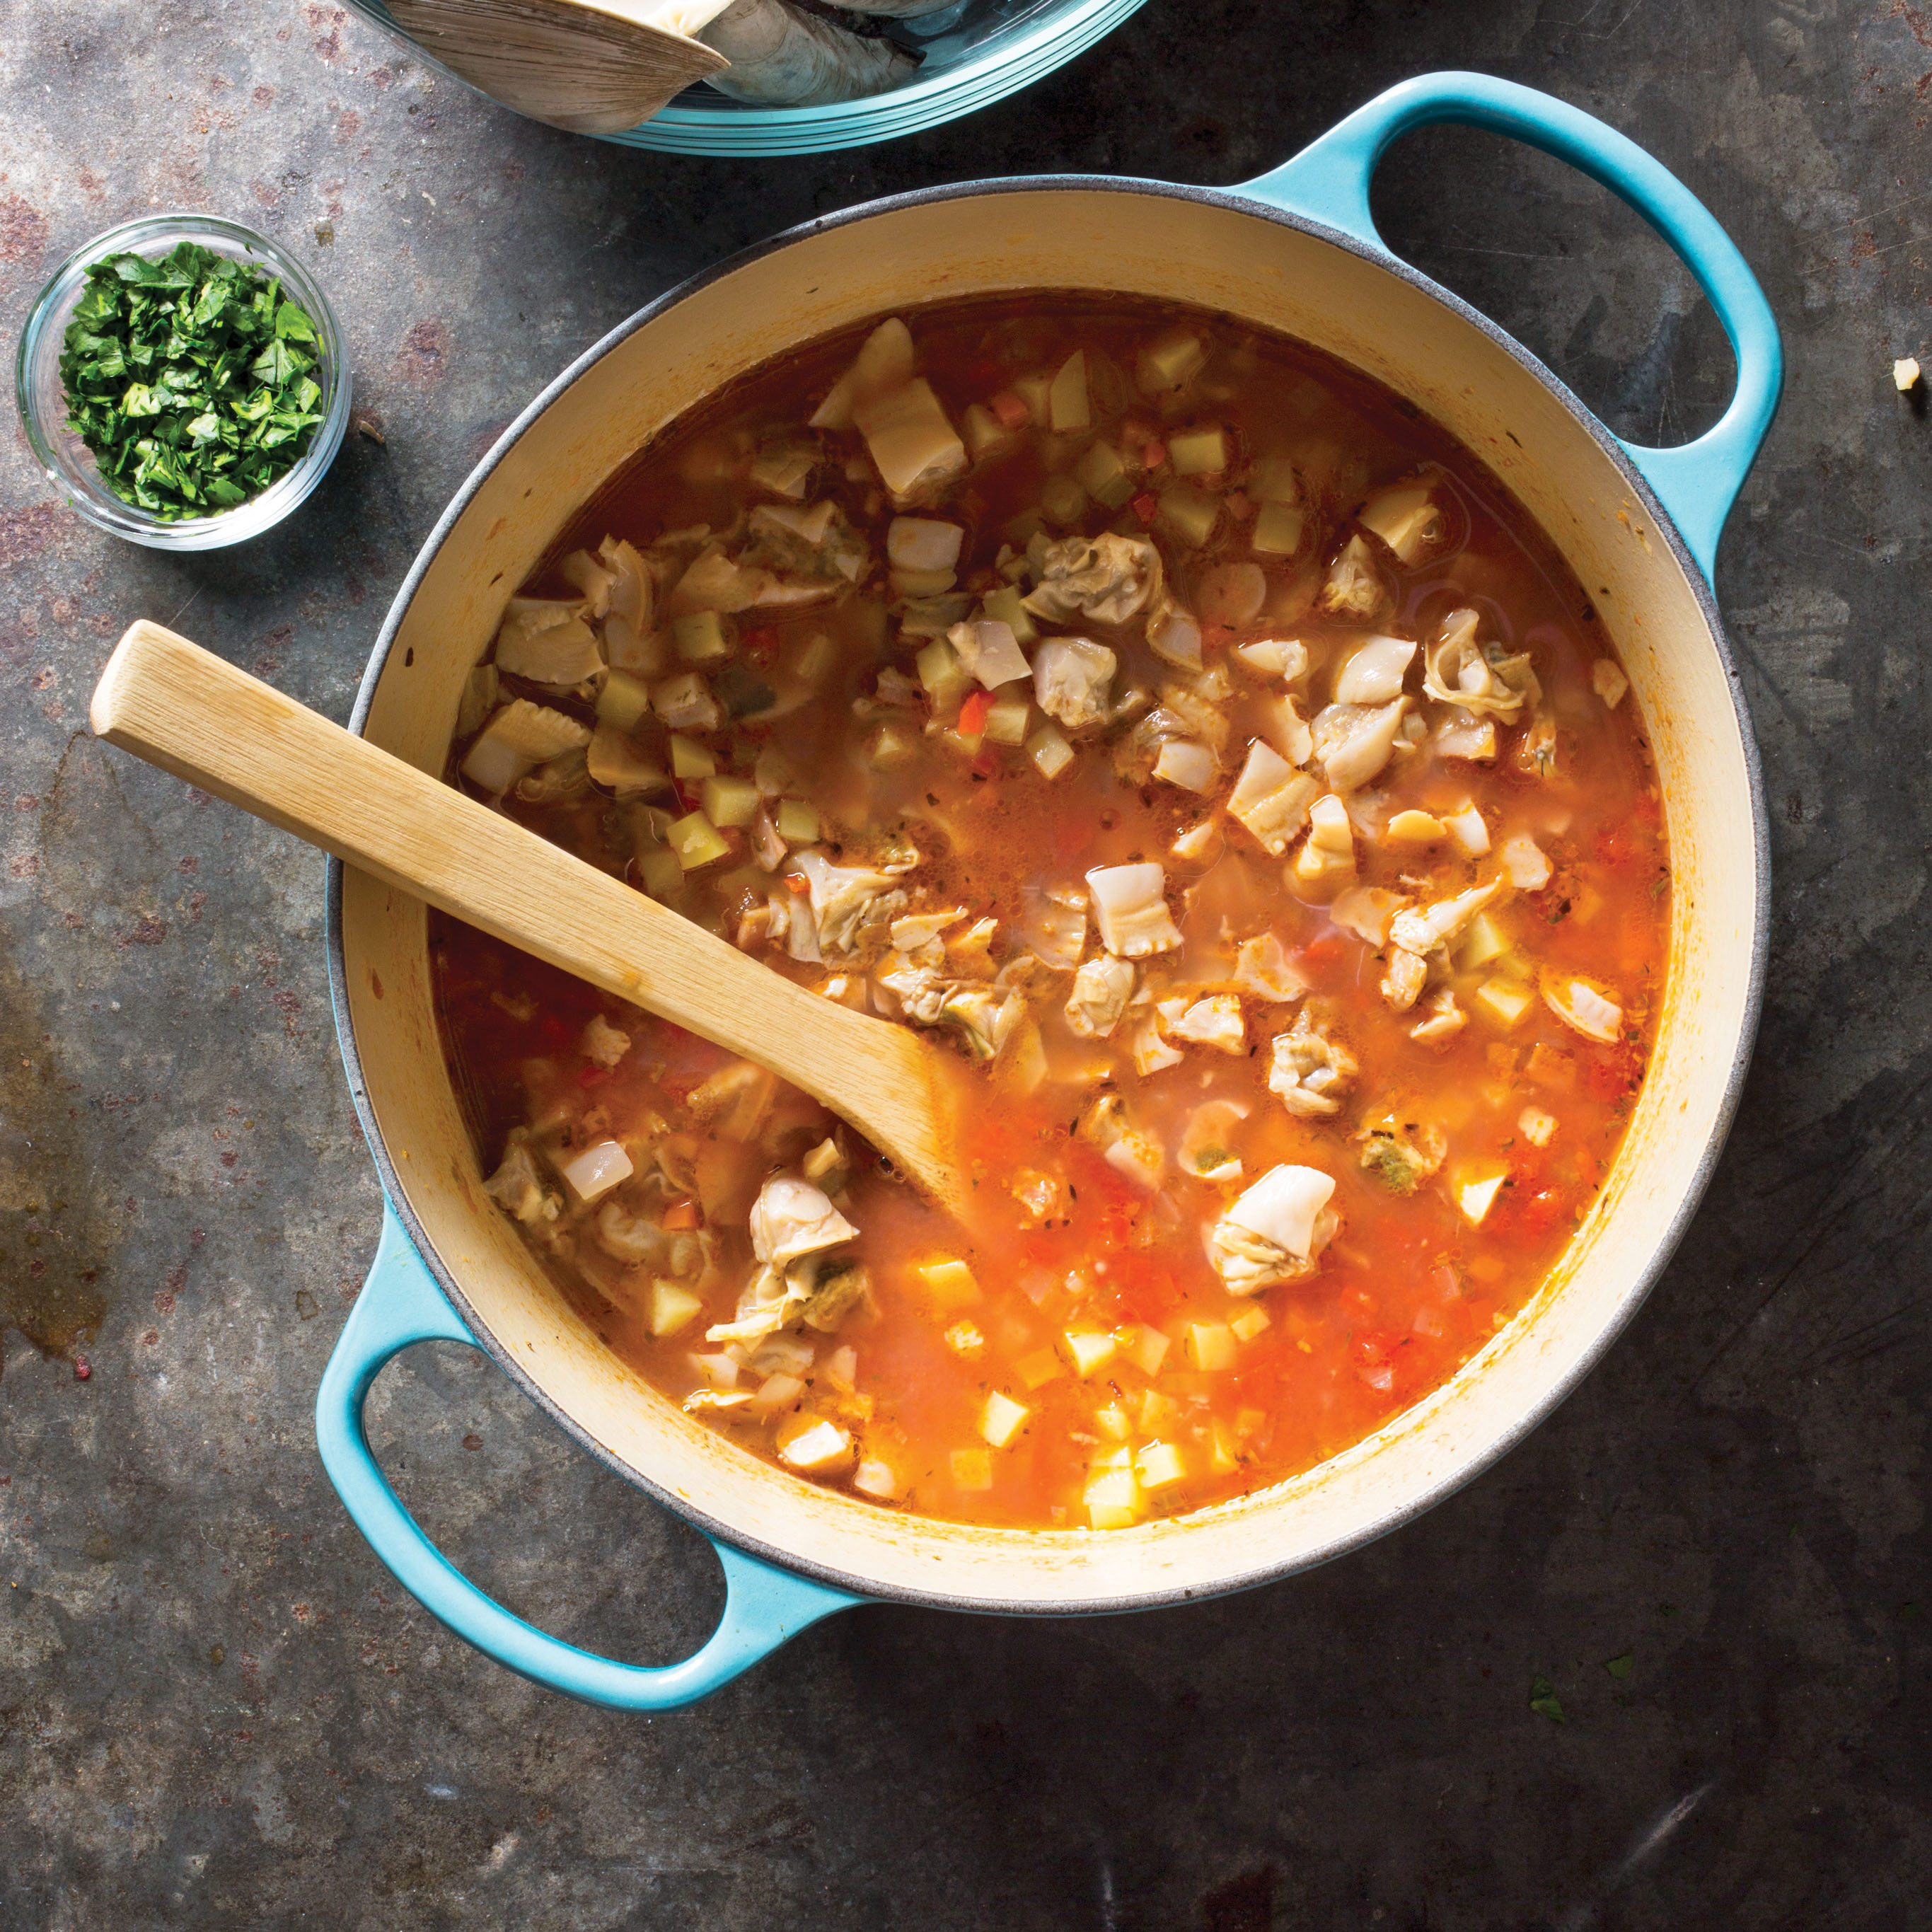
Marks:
<point>1296,251</point>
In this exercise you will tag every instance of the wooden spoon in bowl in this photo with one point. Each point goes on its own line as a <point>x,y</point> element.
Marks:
<point>178,707</point>
<point>589,69</point>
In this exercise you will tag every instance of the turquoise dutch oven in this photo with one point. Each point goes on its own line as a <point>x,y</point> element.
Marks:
<point>1296,251</point>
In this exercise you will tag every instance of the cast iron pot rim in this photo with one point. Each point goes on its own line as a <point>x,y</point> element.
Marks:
<point>1437,1491</point>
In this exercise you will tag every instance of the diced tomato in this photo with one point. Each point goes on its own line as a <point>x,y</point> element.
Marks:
<point>1072,835</point>
<point>1238,506</point>
<point>680,1215</point>
<point>593,1076</point>
<point>1214,636</point>
<point>1154,454</point>
<point>982,372</point>
<point>985,762</point>
<point>1323,951</point>
<point>761,645</point>
<point>796,882</point>
<point>973,713</point>
<point>1010,411</point>
<point>556,1030</point>
<point>1145,507</point>
<point>690,794</point>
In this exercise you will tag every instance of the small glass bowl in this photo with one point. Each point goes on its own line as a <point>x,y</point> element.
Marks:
<point>70,463</point>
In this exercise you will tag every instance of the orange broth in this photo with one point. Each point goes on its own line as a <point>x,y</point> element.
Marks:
<point>1092,1305</point>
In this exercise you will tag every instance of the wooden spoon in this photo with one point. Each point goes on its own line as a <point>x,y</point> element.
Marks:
<point>180,707</point>
<point>590,69</point>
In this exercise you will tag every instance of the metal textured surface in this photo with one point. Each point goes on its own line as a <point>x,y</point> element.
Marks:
<point>215,1709</point>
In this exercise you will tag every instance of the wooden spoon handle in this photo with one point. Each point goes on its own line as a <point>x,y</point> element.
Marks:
<point>178,707</point>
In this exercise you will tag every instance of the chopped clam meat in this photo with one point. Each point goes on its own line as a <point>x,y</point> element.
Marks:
<point>1476,1198</point>
<point>1106,579</point>
<point>989,650</point>
<point>1151,1053</point>
<point>1175,636</point>
<point>1524,863</point>
<point>923,543</point>
<point>852,906</point>
<point>1130,909</point>
<point>1287,730</point>
<point>1416,828</point>
<point>518,1189</point>
<point>791,1217</point>
<point>1374,674</point>
<point>1535,1126</point>
<point>1200,844</point>
<point>603,1044</point>
<point>1407,974</point>
<point>1192,767</point>
<point>1422,931</point>
<point>1583,1007</point>
<point>547,643</point>
<point>1462,734</point>
<point>1328,853</point>
<point>1309,1070</point>
<point>1099,1000</point>
<point>1274,657</point>
<point>1400,1153</point>
<point>1608,681</point>
<point>1271,799</point>
<point>1054,928</point>
<point>521,737</point>
<point>1404,517</point>
<point>915,449</point>
<point>1353,742</point>
<point>1481,679</point>
<point>1275,1231</point>
<point>1207,1149</point>
<point>1355,587</point>
<point>1263,968</point>
<point>1130,1149</point>
<point>1071,677</point>
<point>1366,911</point>
<point>1465,825</point>
<point>1215,1021</point>
<point>598,1169</point>
<point>613,762</point>
<point>917,930</point>
<point>1443,1020</point>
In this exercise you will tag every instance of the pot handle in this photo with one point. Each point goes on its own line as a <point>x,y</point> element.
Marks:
<point>1328,181</point>
<point>401,1304</point>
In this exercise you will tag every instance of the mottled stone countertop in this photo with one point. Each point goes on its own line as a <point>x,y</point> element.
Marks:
<point>217,1709</point>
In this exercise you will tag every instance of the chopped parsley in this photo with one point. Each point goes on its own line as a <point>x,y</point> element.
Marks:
<point>1621,1667</point>
<point>1542,1700</point>
<point>190,379</point>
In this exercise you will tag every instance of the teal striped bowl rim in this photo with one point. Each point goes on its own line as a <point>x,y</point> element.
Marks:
<point>1009,58</point>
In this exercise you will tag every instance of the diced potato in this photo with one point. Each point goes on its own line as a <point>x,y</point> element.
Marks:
<point>1007,606</point>
<point>949,1283</point>
<point>923,544</point>
<point>886,359</point>
<point>972,1469</point>
<point>1189,765</point>
<point>1200,451</point>
<point>1104,476</point>
<point>984,432</point>
<point>695,841</point>
<point>728,801</point>
<point>811,662</point>
<point>874,1478</point>
<point>1278,528</point>
<point>1007,722</point>
<point>690,759</point>
<point>720,1371</point>
<point>1088,1350</point>
<point>966,1339</point>
<point>1160,1464</point>
<point>797,821</point>
<point>1211,1345</point>
<point>1067,406</point>
<point>1002,1418</point>
<point>815,1445</point>
<point>1034,391</point>
<point>1222,1459</point>
<point>1248,1323</point>
<point>598,1169</point>
<point>1146,1350</point>
<point>1505,1001</point>
<point>623,700</point>
<point>944,677</point>
<point>1415,828</point>
<point>1158,1412</point>
<point>662,873</point>
<point>700,637</point>
<point>891,746</point>
<point>824,1158</point>
<point>1037,1370</point>
<point>1190,514</point>
<point>1405,517</point>
<point>1169,362</point>
<point>913,584</point>
<point>672,1307</point>
<point>1063,501</point>
<point>1607,680</point>
<point>1274,481</point>
<point>613,762</point>
<point>1476,1198</point>
<point>1049,751</point>
<point>1112,1499</point>
<point>1484,941</point>
<point>1113,1422</point>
